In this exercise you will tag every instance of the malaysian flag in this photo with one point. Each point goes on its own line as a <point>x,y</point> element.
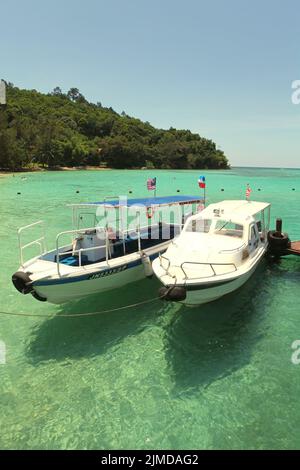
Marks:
<point>151,184</point>
<point>201,182</point>
<point>248,192</point>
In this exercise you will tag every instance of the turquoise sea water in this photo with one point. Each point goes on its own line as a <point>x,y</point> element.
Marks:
<point>160,376</point>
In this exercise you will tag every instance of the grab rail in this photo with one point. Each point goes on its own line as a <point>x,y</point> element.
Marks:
<point>79,251</point>
<point>234,249</point>
<point>161,257</point>
<point>41,241</point>
<point>106,244</point>
<point>207,264</point>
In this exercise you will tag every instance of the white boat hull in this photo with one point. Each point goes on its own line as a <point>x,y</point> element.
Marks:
<point>199,295</point>
<point>65,290</point>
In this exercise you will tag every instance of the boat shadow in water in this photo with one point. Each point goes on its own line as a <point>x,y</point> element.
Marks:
<point>60,338</point>
<point>209,342</point>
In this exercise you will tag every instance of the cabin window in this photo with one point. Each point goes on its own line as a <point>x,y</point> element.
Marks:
<point>228,228</point>
<point>199,225</point>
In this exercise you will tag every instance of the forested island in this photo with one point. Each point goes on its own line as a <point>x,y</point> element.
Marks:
<point>64,130</point>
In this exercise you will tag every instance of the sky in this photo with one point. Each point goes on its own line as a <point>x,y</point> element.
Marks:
<point>223,69</point>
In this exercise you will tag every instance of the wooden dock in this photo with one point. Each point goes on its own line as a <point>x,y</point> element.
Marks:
<point>294,248</point>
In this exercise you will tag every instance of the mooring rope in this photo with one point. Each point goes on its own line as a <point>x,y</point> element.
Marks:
<point>72,315</point>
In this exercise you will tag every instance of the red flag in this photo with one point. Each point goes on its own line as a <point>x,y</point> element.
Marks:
<point>248,191</point>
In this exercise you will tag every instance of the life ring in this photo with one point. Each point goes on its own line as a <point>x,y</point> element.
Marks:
<point>149,212</point>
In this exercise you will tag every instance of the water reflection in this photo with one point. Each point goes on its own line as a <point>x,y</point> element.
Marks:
<point>60,337</point>
<point>209,342</point>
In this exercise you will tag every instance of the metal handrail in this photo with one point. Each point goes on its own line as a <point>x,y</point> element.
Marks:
<point>234,249</point>
<point>71,252</point>
<point>41,242</point>
<point>71,232</point>
<point>160,262</point>
<point>207,264</point>
<point>83,250</point>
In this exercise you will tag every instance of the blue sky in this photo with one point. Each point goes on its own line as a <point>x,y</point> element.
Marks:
<point>220,68</point>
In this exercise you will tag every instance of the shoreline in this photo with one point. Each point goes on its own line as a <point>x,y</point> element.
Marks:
<point>97,168</point>
<point>60,168</point>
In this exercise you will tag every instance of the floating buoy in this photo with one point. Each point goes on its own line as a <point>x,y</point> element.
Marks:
<point>130,192</point>
<point>18,194</point>
<point>293,189</point>
<point>147,265</point>
<point>259,189</point>
<point>178,190</point>
<point>77,192</point>
<point>222,189</point>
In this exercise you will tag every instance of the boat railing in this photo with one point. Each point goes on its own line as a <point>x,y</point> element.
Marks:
<point>106,244</point>
<point>40,242</point>
<point>234,250</point>
<point>78,251</point>
<point>161,258</point>
<point>211,265</point>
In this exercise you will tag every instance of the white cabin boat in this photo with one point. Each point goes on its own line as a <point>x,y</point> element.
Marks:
<point>109,254</point>
<point>216,252</point>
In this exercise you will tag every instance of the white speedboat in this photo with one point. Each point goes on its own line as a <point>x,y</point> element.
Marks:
<point>216,252</point>
<point>117,249</point>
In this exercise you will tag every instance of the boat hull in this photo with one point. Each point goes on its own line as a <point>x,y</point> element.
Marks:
<point>63,290</point>
<point>205,293</point>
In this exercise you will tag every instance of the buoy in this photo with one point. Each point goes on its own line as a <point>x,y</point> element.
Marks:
<point>130,192</point>
<point>222,189</point>
<point>147,265</point>
<point>18,194</point>
<point>293,189</point>
<point>77,192</point>
<point>178,190</point>
<point>259,189</point>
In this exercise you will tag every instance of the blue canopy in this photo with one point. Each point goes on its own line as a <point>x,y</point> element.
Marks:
<point>148,201</point>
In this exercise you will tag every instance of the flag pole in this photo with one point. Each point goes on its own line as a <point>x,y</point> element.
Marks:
<point>202,185</point>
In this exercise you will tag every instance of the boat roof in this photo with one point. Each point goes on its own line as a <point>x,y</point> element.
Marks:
<point>240,209</point>
<point>149,201</point>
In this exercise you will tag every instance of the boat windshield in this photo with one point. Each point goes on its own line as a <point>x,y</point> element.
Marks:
<point>229,228</point>
<point>199,225</point>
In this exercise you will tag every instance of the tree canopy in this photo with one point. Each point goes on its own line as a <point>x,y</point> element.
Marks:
<point>64,129</point>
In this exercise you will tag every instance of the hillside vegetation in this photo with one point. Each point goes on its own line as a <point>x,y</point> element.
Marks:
<point>61,129</point>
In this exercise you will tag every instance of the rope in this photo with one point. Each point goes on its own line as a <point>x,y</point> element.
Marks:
<point>88,314</point>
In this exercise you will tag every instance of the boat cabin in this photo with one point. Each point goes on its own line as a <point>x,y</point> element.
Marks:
<point>247,221</point>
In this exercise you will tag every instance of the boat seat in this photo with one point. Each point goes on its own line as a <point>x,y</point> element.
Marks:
<point>73,260</point>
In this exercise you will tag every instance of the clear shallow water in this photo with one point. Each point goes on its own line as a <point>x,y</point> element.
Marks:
<point>158,376</point>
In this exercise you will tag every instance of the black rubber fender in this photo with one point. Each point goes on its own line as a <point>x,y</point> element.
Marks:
<point>38,297</point>
<point>173,293</point>
<point>22,282</point>
<point>281,242</point>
